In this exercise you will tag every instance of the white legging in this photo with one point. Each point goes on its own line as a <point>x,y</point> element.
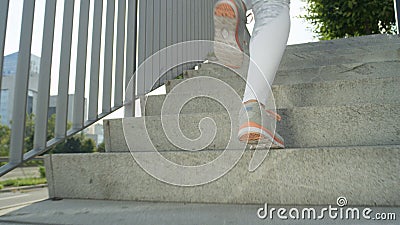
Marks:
<point>267,45</point>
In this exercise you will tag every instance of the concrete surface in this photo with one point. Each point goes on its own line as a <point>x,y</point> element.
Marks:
<point>346,71</point>
<point>362,54</point>
<point>316,176</point>
<point>21,172</point>
<point>12,200</point>
<point>330,93</point>
<point>334,93</point>
<point>345,43</point>
<point>352,125</point>
<point>121,213</point>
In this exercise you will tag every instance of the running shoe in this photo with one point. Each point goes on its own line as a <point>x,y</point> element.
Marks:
<point>258,126</point>
<point>230,29</point>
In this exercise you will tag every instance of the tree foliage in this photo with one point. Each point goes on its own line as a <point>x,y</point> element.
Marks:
<point>346,18</point>
<point>76,144</point>
<point>4,139</point>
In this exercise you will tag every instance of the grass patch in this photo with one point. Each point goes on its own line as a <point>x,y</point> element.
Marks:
<point>22,182</point>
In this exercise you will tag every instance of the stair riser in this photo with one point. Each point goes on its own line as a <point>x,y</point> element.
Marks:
<point>355,55</point>
<point>301,127</point>
<point>286,96</point>
<point>295,177</point>
<point>346,43</point>
<point>340,72</point>
<point>293,60</point>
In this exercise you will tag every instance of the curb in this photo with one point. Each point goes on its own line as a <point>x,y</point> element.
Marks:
<point>11,189</point>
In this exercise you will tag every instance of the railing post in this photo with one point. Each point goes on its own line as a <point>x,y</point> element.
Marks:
<point>397,14</point>
<point>131,57</point>
<point>21,85</point>
<point>3,28</point>
<point>44,77</point>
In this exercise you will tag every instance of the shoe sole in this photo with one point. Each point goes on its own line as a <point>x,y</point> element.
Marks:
<point>260,136</point>
<point>226,23</point>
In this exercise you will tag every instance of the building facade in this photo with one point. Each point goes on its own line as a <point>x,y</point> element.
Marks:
<point>7,87</point>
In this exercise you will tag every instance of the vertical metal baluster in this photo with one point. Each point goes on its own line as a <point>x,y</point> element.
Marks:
<point>180,35</point>
<point>95,61</point>
<point>108,57</point>
<point>197,28</point>
<point>397,14</point>
<point>193,29</point>
<point>120,55</point>
<point>130,64</point>
<point>208,24</point>
<point>169,38</point>
<point>3,27</point>
<point>163,40</point>
<point>211,27</point>
<point>80,76</point>
<point>201,24</point>
<point>21,85</point>
<point>189,34</point>
<point>184,32</point>
<point>141,47</point>
<point>44,77</point>
<point>149,46</point>
<point>65,61</point>
<point>156,42</point>
<point>174,38</point>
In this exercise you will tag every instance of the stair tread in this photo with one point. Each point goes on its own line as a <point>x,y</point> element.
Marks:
<point>316,176</point>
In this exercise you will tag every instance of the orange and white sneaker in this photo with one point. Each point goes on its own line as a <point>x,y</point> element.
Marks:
<point>231,36</point>
<point>258,126</point>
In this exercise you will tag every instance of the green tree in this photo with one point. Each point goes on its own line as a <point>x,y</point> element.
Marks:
<point>346,18</point>
<point>76,144</point>
<point>4,139</point>
<point>88,145</point>
<point>101,147</point>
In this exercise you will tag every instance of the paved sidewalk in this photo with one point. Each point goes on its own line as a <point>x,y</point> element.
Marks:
<point>124,212</point>
<point>12,200</point>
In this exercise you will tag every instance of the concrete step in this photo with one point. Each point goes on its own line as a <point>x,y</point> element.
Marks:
<point>101,212</point>
<point>315,176</point>
<point>347,43</point>
<point>357,71</point>
<point>324,58</point>
<point>302,58</point>
<point>332,93</point>
<point>352,125</point>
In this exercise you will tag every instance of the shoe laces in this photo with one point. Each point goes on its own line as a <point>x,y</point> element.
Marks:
<point>274,114</point>
<point>271,113</point>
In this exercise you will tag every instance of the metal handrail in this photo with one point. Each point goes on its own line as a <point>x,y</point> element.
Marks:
<point>41,145</point>
<point>141,28</point>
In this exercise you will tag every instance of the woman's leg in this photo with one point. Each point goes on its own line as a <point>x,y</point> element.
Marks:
<point>267,45</point>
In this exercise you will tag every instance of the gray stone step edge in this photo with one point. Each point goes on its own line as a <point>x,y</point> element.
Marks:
<point>364,124</point>
<point>365,175</point>
<point>332,93</point>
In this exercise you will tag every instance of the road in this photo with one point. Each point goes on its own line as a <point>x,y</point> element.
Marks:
<point>10,201</point>
<point>21,172</point>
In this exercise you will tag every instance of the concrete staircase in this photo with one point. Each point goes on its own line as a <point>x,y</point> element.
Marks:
<point>340,103</point>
